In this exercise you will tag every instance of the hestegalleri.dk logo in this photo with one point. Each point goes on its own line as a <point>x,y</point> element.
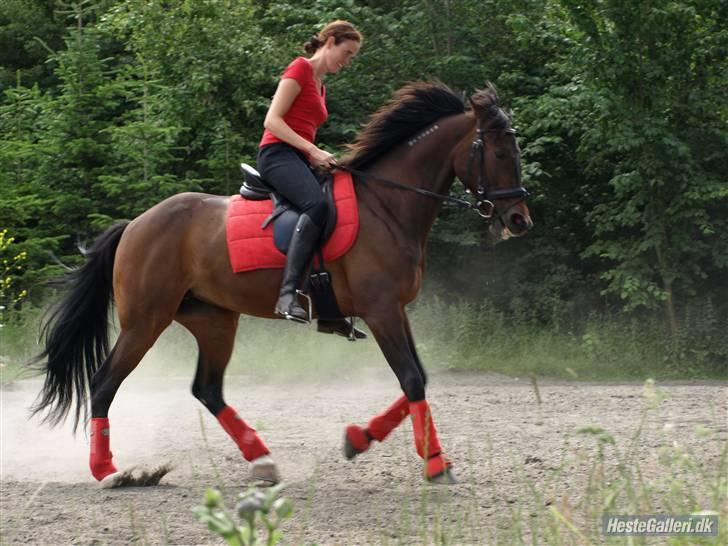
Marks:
<point>660,525</point>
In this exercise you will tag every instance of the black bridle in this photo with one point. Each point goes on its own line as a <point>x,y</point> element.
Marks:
<point>484,205</point>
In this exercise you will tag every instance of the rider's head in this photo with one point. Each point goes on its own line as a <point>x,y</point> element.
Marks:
<point>337,43</point>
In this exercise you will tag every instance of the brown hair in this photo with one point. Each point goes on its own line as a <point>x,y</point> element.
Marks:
<point>340,30</point>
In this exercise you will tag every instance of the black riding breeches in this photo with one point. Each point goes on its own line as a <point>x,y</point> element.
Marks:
<point>287,170</point>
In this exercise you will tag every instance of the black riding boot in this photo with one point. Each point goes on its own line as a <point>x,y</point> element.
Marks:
<point>303,243</point>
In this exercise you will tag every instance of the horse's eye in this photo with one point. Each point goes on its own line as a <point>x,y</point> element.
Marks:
<point>499,155</point>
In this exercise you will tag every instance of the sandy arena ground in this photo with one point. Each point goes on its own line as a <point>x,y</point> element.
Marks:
<point>491,427</point>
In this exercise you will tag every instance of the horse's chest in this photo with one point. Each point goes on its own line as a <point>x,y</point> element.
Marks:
<point>411,283</point>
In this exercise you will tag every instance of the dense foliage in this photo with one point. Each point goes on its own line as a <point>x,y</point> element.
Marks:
<point>109,106</point>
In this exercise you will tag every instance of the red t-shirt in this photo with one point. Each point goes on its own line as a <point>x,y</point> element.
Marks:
<point>308,111</point>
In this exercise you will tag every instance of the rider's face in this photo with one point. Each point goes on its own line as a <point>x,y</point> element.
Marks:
<point>339,55</point>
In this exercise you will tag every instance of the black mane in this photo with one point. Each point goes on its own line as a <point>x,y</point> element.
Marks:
<point>411,109</point>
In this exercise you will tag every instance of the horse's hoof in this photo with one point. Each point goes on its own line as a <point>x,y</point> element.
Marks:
<point>264,471</point>
<point>443,478</point>
<point>360,437</point>
<point>349,450</point>
<point>112,480</point>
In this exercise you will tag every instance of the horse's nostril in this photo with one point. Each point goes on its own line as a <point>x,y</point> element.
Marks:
<point>518,220</point>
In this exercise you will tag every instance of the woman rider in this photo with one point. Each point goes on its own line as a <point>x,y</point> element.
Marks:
<point>288,148</point>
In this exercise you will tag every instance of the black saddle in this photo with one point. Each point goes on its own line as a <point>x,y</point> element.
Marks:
<point>285,216</point>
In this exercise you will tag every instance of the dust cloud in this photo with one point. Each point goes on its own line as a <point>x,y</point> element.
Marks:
<point>280,358</point>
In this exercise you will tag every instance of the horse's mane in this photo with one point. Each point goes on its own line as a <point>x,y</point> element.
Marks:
<point>413,108</point>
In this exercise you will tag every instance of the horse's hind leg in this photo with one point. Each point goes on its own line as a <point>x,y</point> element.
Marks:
<point>214,329</point>
<point>130,347</point>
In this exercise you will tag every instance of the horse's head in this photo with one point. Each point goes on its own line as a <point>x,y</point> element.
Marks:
<point>488,161</point>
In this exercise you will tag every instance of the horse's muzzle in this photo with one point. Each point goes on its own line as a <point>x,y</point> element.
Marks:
<point>518,223</point>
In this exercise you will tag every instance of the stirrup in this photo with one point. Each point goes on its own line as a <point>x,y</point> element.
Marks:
<point>342,327</point>
<point>294,318</point>
<point>308,300</point>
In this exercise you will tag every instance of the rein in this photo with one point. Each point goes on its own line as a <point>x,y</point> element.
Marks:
<point>460,202</point>
<point>484,206</point>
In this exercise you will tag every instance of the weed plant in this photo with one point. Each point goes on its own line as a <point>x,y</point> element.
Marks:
<point>463,335</point>
<point>451,335</point>
<point>260,512</point>
<point>619,481</point>
<point>598,475</point>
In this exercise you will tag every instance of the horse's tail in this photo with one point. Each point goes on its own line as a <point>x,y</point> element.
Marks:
<point>76,334</point>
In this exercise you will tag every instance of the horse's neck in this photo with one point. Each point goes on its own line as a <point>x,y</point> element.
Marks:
<point>425,163</point>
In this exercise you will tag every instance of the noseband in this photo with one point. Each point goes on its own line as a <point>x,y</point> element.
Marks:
<point>485,206</point>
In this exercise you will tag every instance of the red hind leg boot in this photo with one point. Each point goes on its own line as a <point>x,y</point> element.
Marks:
<point>244,435</point>
<point>100,457</point>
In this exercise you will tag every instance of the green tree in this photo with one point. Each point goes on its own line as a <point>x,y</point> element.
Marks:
<point>26,198</point>
<point>142,155</point>
<point>28,28</point>
<point>213,69</point>
<point>74,119</point>
<point>652,77</point>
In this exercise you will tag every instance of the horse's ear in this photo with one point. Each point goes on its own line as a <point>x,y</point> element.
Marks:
<point>474,106</point>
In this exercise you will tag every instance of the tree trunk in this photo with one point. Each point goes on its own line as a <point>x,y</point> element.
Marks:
<point>670,310</point>
<point>669,306</point>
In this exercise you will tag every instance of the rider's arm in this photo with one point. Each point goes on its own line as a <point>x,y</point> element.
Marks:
<point>288,90</point>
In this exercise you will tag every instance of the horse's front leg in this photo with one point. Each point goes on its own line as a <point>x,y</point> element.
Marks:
<point>391,330</point>
<point>358,439</point>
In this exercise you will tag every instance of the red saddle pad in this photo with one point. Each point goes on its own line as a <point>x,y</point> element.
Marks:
<point>251,247</point>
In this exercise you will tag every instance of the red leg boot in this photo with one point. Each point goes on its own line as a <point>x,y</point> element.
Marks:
<point>437,467</point>
<point>244,435</point>
<point>262,468</point>
<point>357,439</point>
<point>100,458</point>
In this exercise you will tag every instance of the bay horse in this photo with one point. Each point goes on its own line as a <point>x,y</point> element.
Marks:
<point>171,263</point>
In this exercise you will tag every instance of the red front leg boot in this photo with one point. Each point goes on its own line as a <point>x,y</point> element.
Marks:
<point>438,466</point>
<point>357,439</point>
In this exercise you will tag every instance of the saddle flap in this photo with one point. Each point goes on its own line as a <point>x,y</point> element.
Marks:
<point>251,247</point>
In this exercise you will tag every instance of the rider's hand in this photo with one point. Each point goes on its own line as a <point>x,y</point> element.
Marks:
<point>321,158</point>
